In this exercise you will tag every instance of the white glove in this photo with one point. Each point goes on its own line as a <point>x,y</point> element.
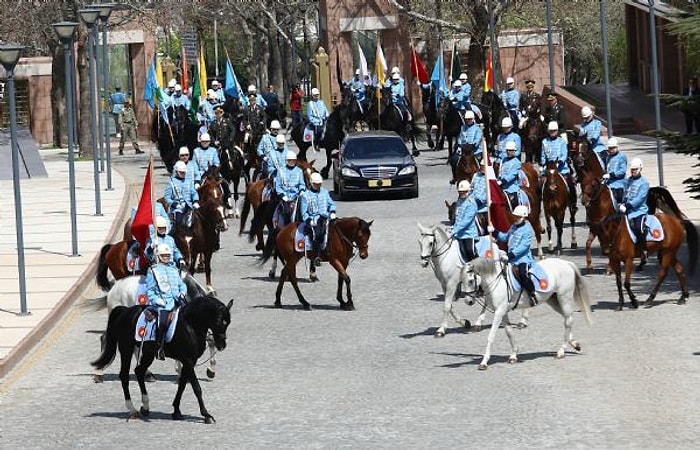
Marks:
<point>196,205</point>
<point>313,222</point>
<point>197,186</point>
<point>498,182</point>
<point>285,198</point>
<point>333,216</point>
<point>160,302</point>
<point>606,176</point>
<point>490,229</point>
<point>623,209</point>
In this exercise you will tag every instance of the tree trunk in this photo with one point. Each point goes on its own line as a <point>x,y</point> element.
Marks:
<point>275,58</point>
<point>84,116</point>
<point>58,95</point>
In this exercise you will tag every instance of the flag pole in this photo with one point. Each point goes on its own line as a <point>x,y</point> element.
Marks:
<point>452,59</point>
<point>484,168</point>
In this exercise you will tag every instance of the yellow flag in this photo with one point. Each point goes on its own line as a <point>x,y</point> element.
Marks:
<point>159,73</point>
<point>380,66</point>
<point>202,73</point>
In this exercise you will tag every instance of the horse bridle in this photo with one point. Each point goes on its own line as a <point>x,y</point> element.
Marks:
<point>436,252</point>
<point>351,243</point>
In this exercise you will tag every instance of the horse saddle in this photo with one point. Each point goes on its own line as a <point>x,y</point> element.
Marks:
<point>266,193</point>
<point>283,209</point>
<point>540,279</point>
<point>133,258</point>
<point>655,233</point>
<point>147,324</point>
<point>303,239</point>
<point>524,182</point>
<point>485,248</point>
<point>141,292</point>
<point>517,198</point>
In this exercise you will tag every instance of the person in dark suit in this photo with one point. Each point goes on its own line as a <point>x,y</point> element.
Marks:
<point>692,93</point>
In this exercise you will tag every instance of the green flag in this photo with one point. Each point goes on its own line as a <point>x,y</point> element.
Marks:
<point>196,94</point>
<point>456,64</point>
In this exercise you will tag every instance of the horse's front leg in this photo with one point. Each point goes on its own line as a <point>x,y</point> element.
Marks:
<point>513,358</point>
<point>188,374</point>
<point>498,315</point>
<point>207,271</point>
<point>572,223</point>
<point>343,278</point>
<point>589,257</point>
<point>550,244</point>
<point>663,270</point>
<point>140,371</point>
<point>559,223</point>
<point>449,291</point>
<point>211,370</point>
<point>291,268</point>
<point>629,262</point>
<point>480,319</point>
<point>524,319</point>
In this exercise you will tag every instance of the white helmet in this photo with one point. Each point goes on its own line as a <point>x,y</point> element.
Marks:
<point>395,77</point>
<point>586,112</point>
<point>553,126</point>
<point>172,83</point>
<point>463,76</point>
<point>464,186</point>
<point>184,151</point>
<point>215,83</point>
<point>211,93</point>
<point>395,70</point>
<point>316,178</point>
<point>291,155</point>
<point>205,137</point>
<point>469,114</point>
<point>161,222</point>
<point>280,139</point>
<point>521,211</point>
<point>510,80</point>
<point>636,163</point>
<point>357,71</point>
<point>510,145</point>
<point>252,89</point>
<point>163,250</point>
<point>315,91</point>
<point>457,84</point>
<point>506,123</point>
<point>178,88</point>
<point>275,125</point>
<point>612,142</point>
<point>180,166</point>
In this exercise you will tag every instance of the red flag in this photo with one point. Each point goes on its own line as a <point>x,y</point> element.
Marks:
<point>140,226</point>
<point>497,210</point>
<point>418,70</point>
<point>185,68</point>
<point>488,79</point>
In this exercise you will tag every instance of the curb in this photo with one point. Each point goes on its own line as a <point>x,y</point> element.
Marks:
<point>47,324</point>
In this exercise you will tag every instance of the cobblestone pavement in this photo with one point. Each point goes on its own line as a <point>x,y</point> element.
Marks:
<point>376,377</point>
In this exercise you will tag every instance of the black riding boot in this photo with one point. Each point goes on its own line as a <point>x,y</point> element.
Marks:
<point>527,284</point>
<point>161,331</point>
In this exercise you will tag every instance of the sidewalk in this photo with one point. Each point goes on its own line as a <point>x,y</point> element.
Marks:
<point>53,276</point>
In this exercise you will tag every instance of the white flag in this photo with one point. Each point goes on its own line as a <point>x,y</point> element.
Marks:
<point>364,71</point>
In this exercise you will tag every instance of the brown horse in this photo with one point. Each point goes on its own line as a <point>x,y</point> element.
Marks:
<point>555,199</point>
<point>600,214</point>
<point>675,226</point>
<point>533,132</point>
<point>344,237</point>
<point>113,257</point>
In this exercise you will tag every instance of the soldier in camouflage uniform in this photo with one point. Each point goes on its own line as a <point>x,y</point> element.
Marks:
<point>128,123</point>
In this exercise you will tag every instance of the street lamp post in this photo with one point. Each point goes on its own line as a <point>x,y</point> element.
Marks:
<point>9,56</point>
<point>657,105</point>
<point>550,43</point>
<point>98,95</point>
<point>65,32</point>
<point>494,45</point>
<point>105,10</point>
<point>606,71</point>
<point>89,17</point>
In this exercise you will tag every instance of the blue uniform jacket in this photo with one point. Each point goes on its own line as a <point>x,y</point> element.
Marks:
<point>118,99</point>
<point>398,92</point>
<point>275,160</point>
<point>154,241</point>
<point>220,95</point>
<point>636,192</point>
<point>555,150</point>
<point>180,190</point>
<point>617,168</point>
<point>510,181</point>
<point>465,224</point>
<point>289,182</point>
<point>471,135</point>
<point>180,100</point>
<point>503,138</point>
<point>467,89</point>
<point>317,112</point>
<point>316,204</point>
<point>591,131</point>
<point>511,99</point>
<point>402,83</point>
<point>358,89</point>
<point>519,239</point>
<point>479,191</point>
<point>205,158</point>
<point>460,99</point>
<point>266,145</point>
<point>164,286</point>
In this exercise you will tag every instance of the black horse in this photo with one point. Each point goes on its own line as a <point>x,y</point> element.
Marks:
<point>171,132</point>
<point>187,345</point>
<point>252,125</point>
<point>430,111</point>
<point>354,113</point>
<point>333,135</point>
<point>450,126</point>
<point>493,111</point>
<point>391,119</point>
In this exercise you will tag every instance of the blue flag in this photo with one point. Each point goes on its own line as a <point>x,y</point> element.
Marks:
<point>232,87</point>
<point>438,79</point>
<point>151,86</point>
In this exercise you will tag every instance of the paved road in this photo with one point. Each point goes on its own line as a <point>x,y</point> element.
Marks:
<point>376,377</point>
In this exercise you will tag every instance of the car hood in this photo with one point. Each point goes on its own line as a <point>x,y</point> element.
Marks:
<point>383,161</point>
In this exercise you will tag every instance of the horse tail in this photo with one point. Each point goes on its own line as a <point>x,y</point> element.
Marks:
<point>110,348</point>
<point>101,278</point>
<point>691,235</point>
<point>581,295</point>
<point>96,304</point>
<point>270,245</point>
<point>244,212</point>
<point>660,197</point>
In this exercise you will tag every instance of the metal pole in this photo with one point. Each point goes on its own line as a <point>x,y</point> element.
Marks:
<point>98,95</point>
<point>18,196</point>
<point>216,49</point>
<point>550,42</point>
<point>494,45</point>
<point>93,124</point>
<point>67,49</point>
<point>75,103</point>
<point>294,52</point>
<point>105,69</point>
<point>657,105</point>
<point>606,72</point>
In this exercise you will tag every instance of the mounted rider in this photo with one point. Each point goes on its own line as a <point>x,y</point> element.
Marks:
<point>218,92</point>
<point>616,169</point>
<point>466,88</point>
<point>591,129</point>
<point>554,112</point>
<point>289,184</point>
<point>635,205</point>
<point>161,236</point>
<point>459,98</point>
<point>506,136</point>
<point>357,87</point>
<point>222,130</point>
<point>519,238</point>
<point>166,291</point>
<point>192,170</point>
<point>179,99</point>
<point>267,145</point>
<point>398,96</point>
<point>317,113</point>
<point>207,108</point>
<point>469,141</point>
<point>317,207</point>
<point>509,175</point>
<point>389,81</point>
<point>277,158</point>
<point>259,100</point>
<point>206,157</point>
<point>180,195</point>
<point>527,98</point>
<point>554,149</point>
<point>478,192</point>
<point>511,100</point>
<point>465,229</point>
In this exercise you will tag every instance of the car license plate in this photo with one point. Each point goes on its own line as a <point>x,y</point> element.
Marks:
<point>379,183</point>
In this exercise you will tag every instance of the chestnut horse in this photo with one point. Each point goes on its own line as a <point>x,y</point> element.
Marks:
<point>344,237</point>
<point>555,200</point>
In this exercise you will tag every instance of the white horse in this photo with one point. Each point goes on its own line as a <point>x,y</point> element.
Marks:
<point>567,291</point>
<point>442,252</point>
<point>124,292</point>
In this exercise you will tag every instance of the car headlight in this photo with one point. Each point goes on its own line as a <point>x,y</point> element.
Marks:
<point>408,170</point>
<point>348,172</point>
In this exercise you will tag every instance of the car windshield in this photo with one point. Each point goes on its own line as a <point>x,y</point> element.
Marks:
<point>376,147</point>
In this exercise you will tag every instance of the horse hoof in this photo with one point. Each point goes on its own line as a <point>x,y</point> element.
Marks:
<point>209,420</point>
<point>560,355</point>
<point>467,324</point>
<point>648,304</point>
<point>574,246</point>
<point>476,328</point>
<point>439,334</point>
<point>634,304</point>
<point>521,325</point>
<point>512,360</point>
<point>177,416</point>
<point>101,378</point>
<point>313,277</point>
<point>681,301</point>
<point>271,274</point>
<point>210,373</point>
<point>144,412</point>
<point>150,378</point>
<point>259,247</point>
<point>133,415</point>
<point>482,367</point>
<point>576,346</point>
<point>278,305</point>
<point>306,307</point>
